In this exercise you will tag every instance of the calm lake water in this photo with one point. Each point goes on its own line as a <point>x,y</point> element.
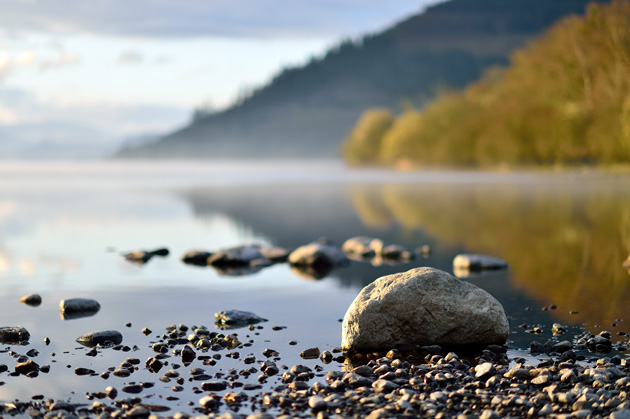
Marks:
<point>63,227</point>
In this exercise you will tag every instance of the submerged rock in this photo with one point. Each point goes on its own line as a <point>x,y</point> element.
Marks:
<point>236,318</point>
<point>74,308</point>
<point>236,256</point>
<point>320,254</point>
<point>105,337</point>
<point>275,254</point>
<point>368,248</point>
<point>32,300</point>
<point>141,257</point>
<point>475,262</point>
<point>423,306</point>
<point>197,257</point>
<point>363,247</point>
<point>14,335</point>
<point>396,252</point>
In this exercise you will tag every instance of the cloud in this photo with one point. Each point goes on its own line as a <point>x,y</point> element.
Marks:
<point>130,57</point>
<point>7,116</point>
<point>113,120</point>
<point>5,65</point>
<point>64,59</point>
<point>26,57</point>
<point>186,18</point>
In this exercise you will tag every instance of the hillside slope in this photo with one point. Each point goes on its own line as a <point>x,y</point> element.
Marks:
<point>565,100</point>
<point>307,111</point>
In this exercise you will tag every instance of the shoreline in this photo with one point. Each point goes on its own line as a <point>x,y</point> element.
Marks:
<point>571,380</point>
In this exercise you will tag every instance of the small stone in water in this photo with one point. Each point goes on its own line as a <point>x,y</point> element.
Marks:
<point>100,338</point>
<point>75,308</point>
<point>310,353</point>
<point>188,355</point>
<point>27,367</point>
<point>14,335</point>
<point>111,392</point>
<point>32,300</point>
<point>236,318</point>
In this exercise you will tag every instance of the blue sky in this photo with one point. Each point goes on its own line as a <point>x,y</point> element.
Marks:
<point>126,68</point>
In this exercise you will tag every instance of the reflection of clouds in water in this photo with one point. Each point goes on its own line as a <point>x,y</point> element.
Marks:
<point>7,209</point>
<point>5,262</point>
<point>26,267</point>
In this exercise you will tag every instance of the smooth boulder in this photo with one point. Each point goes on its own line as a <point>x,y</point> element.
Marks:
<point>423,306</point>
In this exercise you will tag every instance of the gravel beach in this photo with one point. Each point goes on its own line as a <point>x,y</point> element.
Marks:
<point>406,382</point>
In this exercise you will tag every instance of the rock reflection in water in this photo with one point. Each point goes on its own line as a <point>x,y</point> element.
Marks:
<point>564,240</point>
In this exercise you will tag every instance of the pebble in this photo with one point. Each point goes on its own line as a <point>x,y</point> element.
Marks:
<point>105,337</point>
<point>310,353</point>
<point>426,383</point>
<point>75,308</point>
<point>33,300</point>
<point>231,318</point>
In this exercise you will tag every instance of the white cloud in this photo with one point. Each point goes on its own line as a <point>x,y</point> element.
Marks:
<point>130,57</point>
<point>114,120</point>
<point>7,116</point>
<point>5,64</point>
<point>64,59</point>
<point>171,18</point>
<point>25,57</point>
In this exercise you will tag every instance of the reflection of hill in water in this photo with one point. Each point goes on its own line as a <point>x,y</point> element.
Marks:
<point>293,215</point>
<point>565,240</point>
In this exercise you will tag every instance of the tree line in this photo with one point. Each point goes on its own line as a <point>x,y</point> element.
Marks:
<point>564,100</point>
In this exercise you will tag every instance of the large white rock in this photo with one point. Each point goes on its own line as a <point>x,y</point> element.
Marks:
<point>423,306</point>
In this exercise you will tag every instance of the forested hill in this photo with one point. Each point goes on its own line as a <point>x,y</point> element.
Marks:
<point>564,101</point>
<point>307,111</point>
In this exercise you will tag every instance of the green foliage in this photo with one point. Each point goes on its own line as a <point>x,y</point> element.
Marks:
<point>364,142</point>
<point>565,100</point>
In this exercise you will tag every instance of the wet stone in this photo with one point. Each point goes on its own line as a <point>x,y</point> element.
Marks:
<point>74,308</point>
<point>84,371</point>
<point>27,367</point>
<point>197,257</point>
<point>270,353</point>
<point>122,373</point>
<point>236,318</point>
<point>132,388</point>
<point>214,386</point>
<point>103,338</point>
<point>310,353</point>
<point>188,355</point>
<point>154,365</point>
<point>33,300</point>
<point>32,353</point>
<point>14,335</point>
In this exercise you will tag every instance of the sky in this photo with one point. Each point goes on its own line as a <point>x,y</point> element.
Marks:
<point>108,69</point>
